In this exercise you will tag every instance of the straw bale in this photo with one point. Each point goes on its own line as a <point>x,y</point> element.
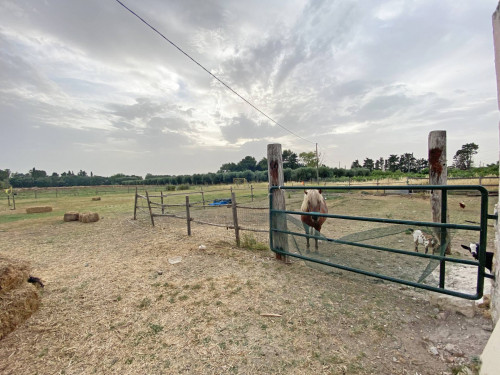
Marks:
<point>12,274</point>
<point>71,216</point>
<point>89,217</point>
<point>96,198</point>
<point>16,306</point>
<point>38,209</point>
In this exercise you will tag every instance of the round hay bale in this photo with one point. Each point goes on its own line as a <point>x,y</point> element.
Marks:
<point>12,274</point>
<point>71,216</point>
<point>96,198</point>
<point>16,306</point>
<point>89,217</point>
<point>39,209</point>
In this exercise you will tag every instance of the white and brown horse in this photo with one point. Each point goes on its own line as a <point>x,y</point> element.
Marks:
<point>313,202</point>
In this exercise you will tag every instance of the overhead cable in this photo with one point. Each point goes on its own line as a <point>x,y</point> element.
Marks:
<point>213,75</point>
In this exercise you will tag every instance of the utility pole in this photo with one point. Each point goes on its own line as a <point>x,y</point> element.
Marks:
<point>317,165</point>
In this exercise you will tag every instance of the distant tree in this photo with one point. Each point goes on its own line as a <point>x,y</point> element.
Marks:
<point>407,163</point>
<point>463,157</point>
<point>368,164</point>
<point>290,159</point>
<point>82,173</point>
<point>308,159</point>
<point>422,164</point>
<point>228,167</point>
<point>248,163</point>
<point>262,165</point>
<point>355,164</point>
<point>4,174</point>
<point>379,164</point>
<point>392,163</point>
<point>37,173</point>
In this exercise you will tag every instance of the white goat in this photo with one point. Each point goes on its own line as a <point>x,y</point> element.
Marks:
<point>421,238</point>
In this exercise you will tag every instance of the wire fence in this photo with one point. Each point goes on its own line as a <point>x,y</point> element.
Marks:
<point>243,209</point>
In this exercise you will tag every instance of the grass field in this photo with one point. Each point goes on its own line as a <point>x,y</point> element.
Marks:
<point>115,302</point>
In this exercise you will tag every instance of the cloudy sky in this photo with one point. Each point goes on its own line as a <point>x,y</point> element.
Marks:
<point>84,84</point>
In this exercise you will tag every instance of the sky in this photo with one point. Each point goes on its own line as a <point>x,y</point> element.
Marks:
<point>85,85</point>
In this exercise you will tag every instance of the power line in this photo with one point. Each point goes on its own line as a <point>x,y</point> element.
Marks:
<point>213,75</point>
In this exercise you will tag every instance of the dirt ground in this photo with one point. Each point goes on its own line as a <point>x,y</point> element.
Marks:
<point>122,297</point>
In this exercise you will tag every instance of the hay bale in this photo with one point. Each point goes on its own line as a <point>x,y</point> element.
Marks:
<point>12,274</point>
<point>16,306</point>
<point>18,298</point>
<point>39,209</point>
<point>71,216</point>
<point>89,217</point>
<point>96,198</point>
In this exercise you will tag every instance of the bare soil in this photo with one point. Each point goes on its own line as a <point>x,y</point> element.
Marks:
<point>114,303</point>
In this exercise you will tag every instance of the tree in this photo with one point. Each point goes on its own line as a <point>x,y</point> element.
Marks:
<point>463,157</point>
<point>82,173</point>
<point>379,164</point>
<point>248,163</point>
<point>309,159</point>
<point>355,164</point>
<point>262,165</point>
<point>37,173</point>
<point>392,164</point>
<point>228,167</point>
<point>368,164</point>
<point>290,159</point>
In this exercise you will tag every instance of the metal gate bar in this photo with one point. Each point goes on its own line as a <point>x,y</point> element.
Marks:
<point>481,228</point>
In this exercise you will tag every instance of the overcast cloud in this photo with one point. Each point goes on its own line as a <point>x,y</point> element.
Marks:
<point>86,85</point>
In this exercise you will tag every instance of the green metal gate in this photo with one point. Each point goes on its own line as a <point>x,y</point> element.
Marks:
<point>285,224</point>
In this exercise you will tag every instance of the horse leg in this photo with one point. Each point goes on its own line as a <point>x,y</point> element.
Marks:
<point>306,228</point>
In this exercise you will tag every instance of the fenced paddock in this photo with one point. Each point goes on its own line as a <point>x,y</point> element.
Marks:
<point>113,304</point>
<point>239,209</point>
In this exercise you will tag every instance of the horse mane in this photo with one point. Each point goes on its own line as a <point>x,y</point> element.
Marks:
<point>313,197</point>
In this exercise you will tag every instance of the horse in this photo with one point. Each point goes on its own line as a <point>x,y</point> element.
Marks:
<point>313,202</point>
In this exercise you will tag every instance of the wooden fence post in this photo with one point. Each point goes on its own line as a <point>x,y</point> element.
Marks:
<point>162,208</point>
<point>235,219</point>
<point>276,178</point>
<point>251,191</point>
<point>13,200</point>
<point>203,197</point>
<point>135,204</point>
<point>150,210</point>
<point>438,175</point>
<point>188,216</point>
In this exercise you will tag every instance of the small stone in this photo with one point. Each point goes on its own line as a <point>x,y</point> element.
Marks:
<point>160,272</point>
<point>433,350</point>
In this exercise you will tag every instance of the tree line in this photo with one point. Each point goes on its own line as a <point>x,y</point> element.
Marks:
<point>296,167</point>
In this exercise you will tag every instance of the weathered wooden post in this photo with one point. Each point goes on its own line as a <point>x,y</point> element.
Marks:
<point>251,191</point>
<point>276,178</point>
<point>161,199</point>
<point>188,216</point>
<point>438,175</point>
<point>135,204</point>
<point>13,200</point>
<point>235,219</point>
<point>150,210</point>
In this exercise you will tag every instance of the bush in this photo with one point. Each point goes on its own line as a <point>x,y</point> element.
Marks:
<point>182,187</point>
